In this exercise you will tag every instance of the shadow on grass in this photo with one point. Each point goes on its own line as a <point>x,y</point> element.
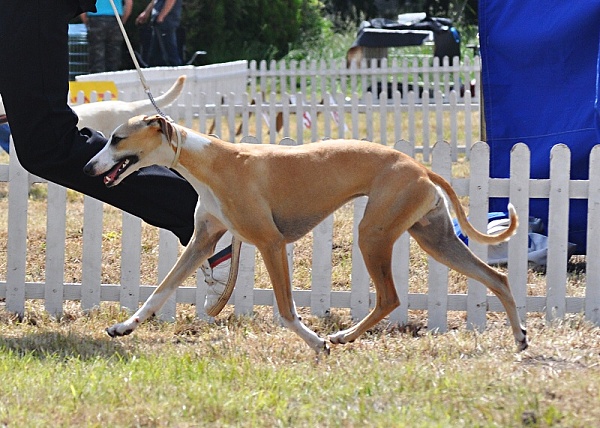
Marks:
<point>59,345</point>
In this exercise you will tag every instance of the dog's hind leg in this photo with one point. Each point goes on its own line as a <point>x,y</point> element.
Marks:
<point>376,244</point>
<point>436,236</point>
<point>386,217</point>
<point>201,246</point>
<point>379,265</point>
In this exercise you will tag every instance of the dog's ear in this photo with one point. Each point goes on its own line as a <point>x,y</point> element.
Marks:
<point>163,123</point>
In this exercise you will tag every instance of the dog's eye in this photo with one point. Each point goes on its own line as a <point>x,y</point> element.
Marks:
<point>115,140</point>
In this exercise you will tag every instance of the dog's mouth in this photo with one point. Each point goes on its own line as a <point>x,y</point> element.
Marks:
<point>111,177</point>
<point>3,119</point>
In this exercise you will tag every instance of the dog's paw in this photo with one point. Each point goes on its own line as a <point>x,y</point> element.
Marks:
<point>522,344</point>
<point>123,328</point>
<point>521,340</point>
<point>339,338</point>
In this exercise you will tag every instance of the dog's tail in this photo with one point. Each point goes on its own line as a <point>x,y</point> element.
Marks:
<point>463,221</point>
<point>143,106</point>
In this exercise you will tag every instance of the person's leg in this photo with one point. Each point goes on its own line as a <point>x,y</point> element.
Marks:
<point>34,86</point>
<point>154,54</point>
<point>145,36</point>
<point>114,43</point>
<point>167,42</point>
<point>96,37</point>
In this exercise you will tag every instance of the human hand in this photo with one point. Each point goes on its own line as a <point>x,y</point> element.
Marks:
<point>142,18</point>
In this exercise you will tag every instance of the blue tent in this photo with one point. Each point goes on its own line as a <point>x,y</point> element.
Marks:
<point>539,74</point>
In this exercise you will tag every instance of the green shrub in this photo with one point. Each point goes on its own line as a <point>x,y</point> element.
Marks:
<point>253,29</point>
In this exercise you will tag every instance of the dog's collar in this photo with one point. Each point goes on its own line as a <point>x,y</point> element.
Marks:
<point>177,147</point>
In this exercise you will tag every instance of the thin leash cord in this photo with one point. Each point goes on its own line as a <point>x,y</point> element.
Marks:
<point>145,84</point>
<point>135,61</point>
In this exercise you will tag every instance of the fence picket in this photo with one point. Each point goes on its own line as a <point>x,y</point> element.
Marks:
<point>383,101</point>
<point>411,116</point>
<point>299,118</point>
<point>468,124</point>
<point>359,298</point>
<point>320,296</point>
<point>312,110</point>
<point>231,117</point>
<point>478,209</point>
<point>55,249</point>
<point>401,260</point>
<point>272,118</point>
<point>327,114</point>
<point>518,244</point>
<point>17,235</point>
<point>425,116</point>
<point>369,115</point>
<point>437,301</point>
<point>130,262</point>
<point>439,116</point>
<point>354,116</point>
<point>244,291</point>
<point>340,101</point>
<point>91,276</point>
<point>453,97</point>
<point>202,114</point>
<point>167,256</point>
<point>592,277</point>
<point>558,228</point>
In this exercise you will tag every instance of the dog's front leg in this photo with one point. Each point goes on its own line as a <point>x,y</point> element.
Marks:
<point>201,246</point>
<point>275,259</point>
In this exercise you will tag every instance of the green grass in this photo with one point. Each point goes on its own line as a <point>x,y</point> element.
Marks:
<point>249,371</point>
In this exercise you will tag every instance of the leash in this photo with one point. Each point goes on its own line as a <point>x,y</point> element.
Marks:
<point>135,61</point>
<point>146,86</point>
<point>177,147</point>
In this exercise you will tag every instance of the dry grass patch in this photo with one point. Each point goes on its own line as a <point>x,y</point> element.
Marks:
<point>250,371</point>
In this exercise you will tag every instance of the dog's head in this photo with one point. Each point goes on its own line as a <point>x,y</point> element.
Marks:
<point>141,141</point>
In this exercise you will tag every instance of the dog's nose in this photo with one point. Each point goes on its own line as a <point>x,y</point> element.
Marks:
<point>89,168</point>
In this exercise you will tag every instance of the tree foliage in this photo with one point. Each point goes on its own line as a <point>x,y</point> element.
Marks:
<point>271,29</point>
<point>252,29</point>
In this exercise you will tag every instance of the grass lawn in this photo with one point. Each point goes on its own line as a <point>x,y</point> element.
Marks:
<point>249,371</point>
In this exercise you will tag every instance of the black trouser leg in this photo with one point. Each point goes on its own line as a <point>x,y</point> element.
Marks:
<point>34,85</point>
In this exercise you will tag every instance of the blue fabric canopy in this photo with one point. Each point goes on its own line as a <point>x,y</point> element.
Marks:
<point>4,136</point>
<point>539,74</point>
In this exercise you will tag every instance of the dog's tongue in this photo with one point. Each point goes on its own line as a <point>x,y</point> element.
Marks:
<point>112,174</point>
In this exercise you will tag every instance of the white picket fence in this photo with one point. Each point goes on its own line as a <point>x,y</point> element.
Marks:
<point>207,79</point>
<point>259,100</point>
<point>320,298</point>
<point>416,99</point>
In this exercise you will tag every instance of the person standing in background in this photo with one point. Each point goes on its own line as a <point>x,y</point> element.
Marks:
<point>104,35</point>
<point>164,17</point>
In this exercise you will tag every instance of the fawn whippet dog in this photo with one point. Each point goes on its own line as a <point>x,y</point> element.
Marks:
<point>270,195</point>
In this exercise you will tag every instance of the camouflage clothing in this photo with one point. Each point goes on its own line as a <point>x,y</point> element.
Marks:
<point>104,43</point>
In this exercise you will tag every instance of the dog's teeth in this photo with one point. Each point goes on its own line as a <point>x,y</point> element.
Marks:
<point>124,165</point>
